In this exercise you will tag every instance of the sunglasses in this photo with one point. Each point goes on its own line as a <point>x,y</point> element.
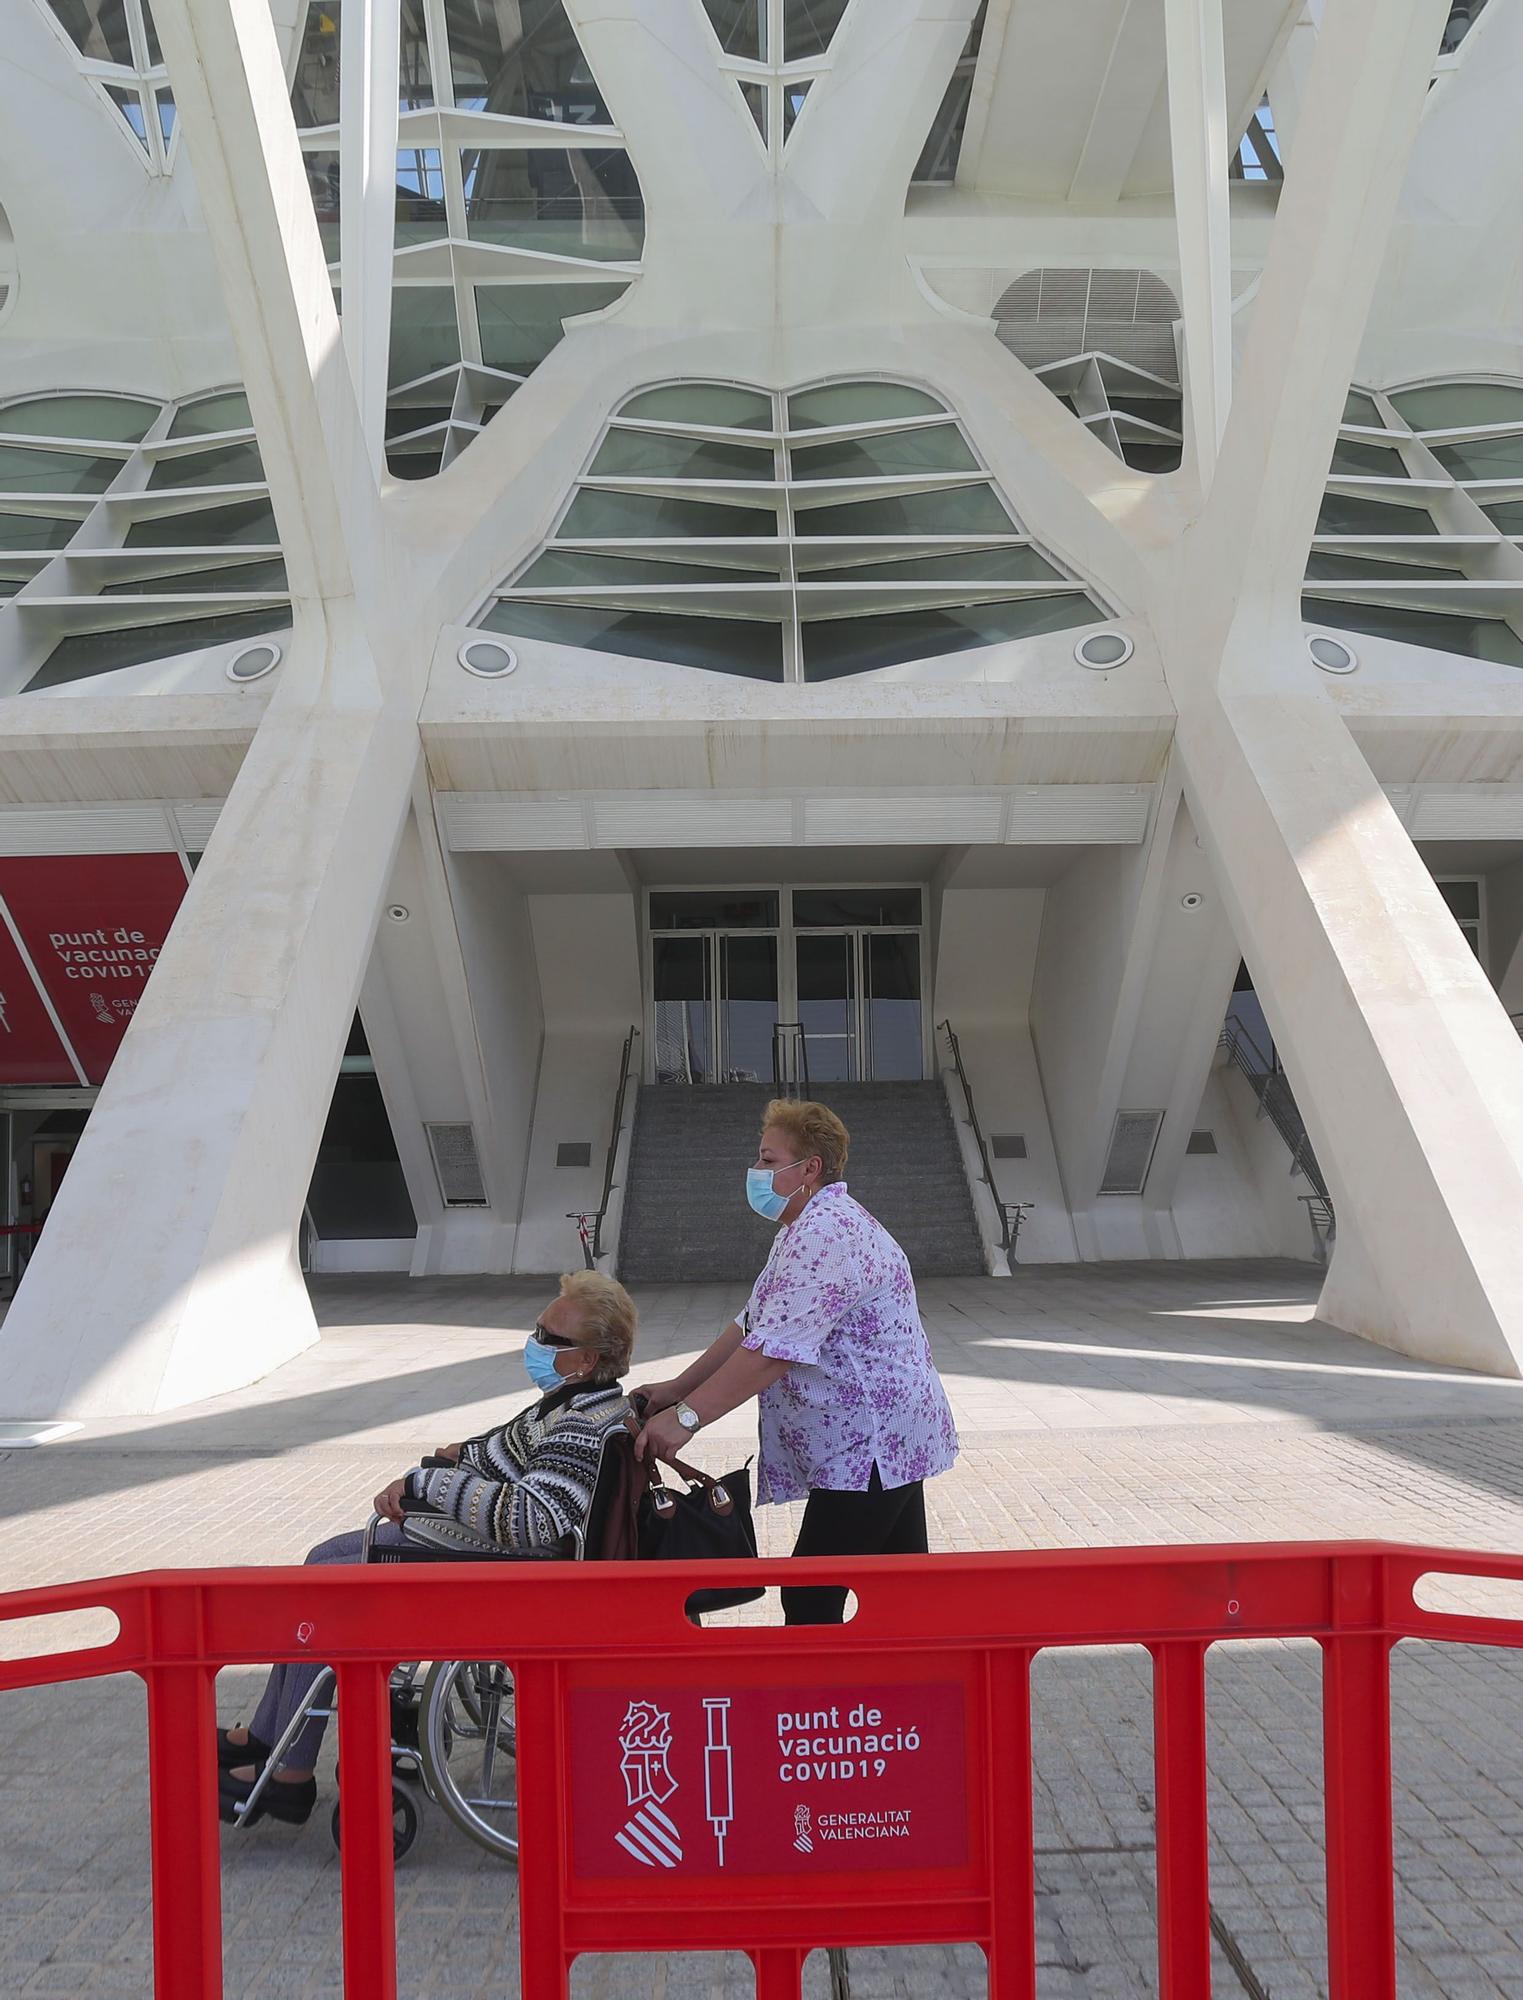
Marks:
<point>546,1338</point>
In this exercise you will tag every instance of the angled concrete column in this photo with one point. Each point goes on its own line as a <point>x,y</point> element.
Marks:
<point>1407,1072</point>
<point>202,1143</point>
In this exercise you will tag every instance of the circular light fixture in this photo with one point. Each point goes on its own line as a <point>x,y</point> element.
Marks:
<point>398,912</point>
<point>1330,654</point>
<point>488,659</point>
<point>1103,650</point>
<point>254,662</point>
<point>1192,901</point>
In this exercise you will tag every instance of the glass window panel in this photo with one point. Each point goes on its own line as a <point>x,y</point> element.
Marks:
<point>1450,405</point>
<point>207,527</point>
<point>425,334</point>
<point>358,1188</point>
<point>420,197</point>
<point>415,75</point>
<point>1358,408</point>
<point>596,516</point>
<point>1476,638</point>
<point>98,29</point>
<point>23,470</point>
<point>747,1007</point>
<point>754,96</point>
<point>400,421</point>
<point>943,147</point>
<point>1323,565</point>
<point>122,419</point>
<point>1356,457</point>
<point>827,995</point>
<point>1015,565</point>
<point>10,583</point>
<point>895,1028</point>
<point>858,403</point>
<point>267,575</point>
<point>720,404</point>
<point>574,568</point>
<point>130,104</point>
<point>794,95</point>
<point>228,410</point>
<point>682,994</point>
<point>750,648</point>
<point>89,653</point>
<point>942,448</point>
<point>522,61</point>
<point>166,104</point>
<point>521,323</point>
<point>1483,458</point>
<point>959,510</point>
<point>713,909</point>
<point>1343,515</point>
<point>1508,517</point>
<point>314,94</point>
<point>151,38</point>
<point>808,26</point>
<point>1151,457</point>
<point>570,203</point>
<point>420,461</point>
<point>631,454</point>
<point>35,531</point>
<point>838,909</point>
<point>741,26</point>
<point>1152,409</point>
<point>836,646</point>
<point>225,465</point>
<point>1463,898</point>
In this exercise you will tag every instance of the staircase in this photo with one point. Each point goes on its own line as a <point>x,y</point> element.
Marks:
<point>685,1213</point>
<point>1278,1103</point>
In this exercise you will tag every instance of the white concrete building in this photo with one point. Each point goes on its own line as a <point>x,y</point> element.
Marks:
<point>774,525</point>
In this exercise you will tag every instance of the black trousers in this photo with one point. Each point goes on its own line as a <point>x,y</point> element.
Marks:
<point>882,1521</point>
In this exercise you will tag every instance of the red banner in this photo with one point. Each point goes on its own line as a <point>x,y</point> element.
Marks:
<point>30,1050</point>
<point>768,1781</point>
<point>94,925</point>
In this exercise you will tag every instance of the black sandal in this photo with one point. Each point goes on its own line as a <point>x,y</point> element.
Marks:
<point>291,1803</point>
<point>232,1756</point>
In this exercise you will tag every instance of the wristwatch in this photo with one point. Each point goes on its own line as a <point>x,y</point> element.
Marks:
<point>688,1417</point>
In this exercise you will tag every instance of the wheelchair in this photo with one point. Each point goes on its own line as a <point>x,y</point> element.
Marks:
<point>453,1726</point>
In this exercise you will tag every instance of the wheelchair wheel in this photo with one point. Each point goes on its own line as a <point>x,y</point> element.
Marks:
<point>406,1818</point>
<point>468,1741</point>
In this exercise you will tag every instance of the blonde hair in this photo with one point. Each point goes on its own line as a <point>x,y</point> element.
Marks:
<point>609,1318</point>
<point>814,1131</point>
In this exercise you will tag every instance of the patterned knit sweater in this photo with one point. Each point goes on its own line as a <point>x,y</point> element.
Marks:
<point>528,1484</point>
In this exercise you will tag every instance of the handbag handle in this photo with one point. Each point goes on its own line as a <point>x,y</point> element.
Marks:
<point>714,1490</point>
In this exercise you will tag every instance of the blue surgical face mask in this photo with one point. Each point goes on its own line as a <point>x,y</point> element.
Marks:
<point>540,1363</point>
<point>763,1196</point>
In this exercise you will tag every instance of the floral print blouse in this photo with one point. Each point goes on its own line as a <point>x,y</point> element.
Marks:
<point>836,1298</point>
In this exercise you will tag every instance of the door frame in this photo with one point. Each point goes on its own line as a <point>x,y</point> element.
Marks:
<point>786,934</point>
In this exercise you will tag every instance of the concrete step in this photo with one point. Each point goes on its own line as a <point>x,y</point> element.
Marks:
<point>685,1218</point>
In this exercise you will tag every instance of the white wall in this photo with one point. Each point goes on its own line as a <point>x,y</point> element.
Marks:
<point>1283,1219</point>
<point>1227,1204</point>
<point>588,952</point>
<point>985,959</point>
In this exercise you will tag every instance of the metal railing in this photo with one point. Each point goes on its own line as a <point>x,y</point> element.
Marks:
<point>1011,1213</point>
<point>1277,1102</point>
<point>790,1056</point>
<point>590,1227</point>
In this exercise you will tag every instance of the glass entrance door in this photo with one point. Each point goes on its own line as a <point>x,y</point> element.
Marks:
<point>714,988</point>
<point>859,1004</point>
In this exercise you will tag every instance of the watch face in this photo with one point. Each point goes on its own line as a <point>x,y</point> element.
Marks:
<point>689,1419</point>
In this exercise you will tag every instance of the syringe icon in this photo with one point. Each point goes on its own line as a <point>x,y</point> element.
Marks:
<point>718,1770</point>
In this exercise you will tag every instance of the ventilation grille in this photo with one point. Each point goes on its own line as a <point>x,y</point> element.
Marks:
<point>1008,1145</point>
<point>574,1153</point>
<point>1053,314</point>
<point>1131,1153</point>
<point>457,1165</point>
<point>1202,1142</point>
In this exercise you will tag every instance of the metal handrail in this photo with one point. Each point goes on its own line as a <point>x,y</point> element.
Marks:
<point>1278,1105</point>
<point>789,1039</point>
<point>625,1061</point>
<point>1011,1213</point>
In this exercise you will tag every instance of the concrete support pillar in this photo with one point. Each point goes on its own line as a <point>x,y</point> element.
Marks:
<point>1199,142</point>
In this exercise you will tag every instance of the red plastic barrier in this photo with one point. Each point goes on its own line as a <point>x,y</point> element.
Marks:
<point>767,1789</point>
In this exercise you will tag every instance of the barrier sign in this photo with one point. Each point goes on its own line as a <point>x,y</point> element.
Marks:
<point>94,925</point>
<point>712,1781</point>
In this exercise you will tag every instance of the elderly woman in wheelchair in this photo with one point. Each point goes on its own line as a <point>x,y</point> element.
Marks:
<point>526,1489</point>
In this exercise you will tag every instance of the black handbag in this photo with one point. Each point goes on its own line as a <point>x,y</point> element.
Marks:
<point>709,1521</point>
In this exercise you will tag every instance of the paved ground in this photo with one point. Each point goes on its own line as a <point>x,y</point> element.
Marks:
<point>1122,1405</point>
